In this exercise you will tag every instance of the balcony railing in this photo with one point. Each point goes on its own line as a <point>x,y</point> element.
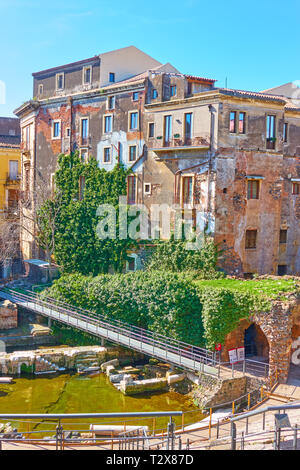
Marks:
<point>13,178</point>
<point>180,142</point>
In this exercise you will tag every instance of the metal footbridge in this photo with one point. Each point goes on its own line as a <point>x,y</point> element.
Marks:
<point>178,353</point>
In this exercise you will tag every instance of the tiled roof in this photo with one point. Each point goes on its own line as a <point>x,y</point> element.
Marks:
<point>6,145</point>
<point>252,94</point>
<point>202,79</point>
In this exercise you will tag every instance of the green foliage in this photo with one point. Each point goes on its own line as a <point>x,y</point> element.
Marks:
<point>72,337</point>
<point>77,246</point>
<point>166,303</point>
<point>173,304</point>
<point>174,256</point>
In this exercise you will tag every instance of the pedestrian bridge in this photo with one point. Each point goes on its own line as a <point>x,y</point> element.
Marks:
<point>170,350</point>
<point>183,355</point>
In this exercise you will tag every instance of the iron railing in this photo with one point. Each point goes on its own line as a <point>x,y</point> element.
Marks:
<point>179,353</point>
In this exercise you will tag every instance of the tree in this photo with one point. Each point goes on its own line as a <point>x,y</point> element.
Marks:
<point>38,214</point>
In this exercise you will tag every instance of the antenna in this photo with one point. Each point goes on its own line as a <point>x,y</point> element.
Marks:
<point>226,82</point>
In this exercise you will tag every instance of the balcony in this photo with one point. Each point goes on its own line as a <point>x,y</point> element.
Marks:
<point>12,178</point>
<point>271,143</point>
<point>177,143</point>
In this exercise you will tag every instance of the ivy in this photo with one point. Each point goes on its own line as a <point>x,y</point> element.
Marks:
<point>168,303</point>
<point>165,303</point>
<point>77,246</point>
<point>174,256</point>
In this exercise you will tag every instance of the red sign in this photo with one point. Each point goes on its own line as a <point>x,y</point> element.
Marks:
<point>218,347</point>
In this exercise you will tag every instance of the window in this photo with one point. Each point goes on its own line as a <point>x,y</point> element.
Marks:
<point>112,77</point>
<point>84,155</point>
<point>131,264</point>
<point>151,129</point>
<point>250,242</point>
<point>131,189</point>
<point>296,188</point>
<point>68,132</point>
<point>283,236</point>
<point>253,189</point>
<point>87,75</point>
<point>187,128</point>
<point>56,130</point>
<point>232,122</point>
<point>84,131</point>
<point>107,123</point>
<point>154,94</point>
<point>189,88</point>
<point>133,121</point>
<point>135,96</point>
<point>41,89</point>
<point>167,130</point>
<point>271,132</point>
<point>13,170</point>
<point>282,269</point>
<point>132,153</point>
<point>285,132</point>
<point>107,155</point>
<point>81,187</point>
<point>242,123</point>
<point>60,81</point>
<point>187,190</point>
<point>173,90</point>
<point>111,102</point>
<point>27,137</point>
<point>147,188</point>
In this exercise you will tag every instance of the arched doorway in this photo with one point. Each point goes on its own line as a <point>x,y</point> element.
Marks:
<point>256,343</point>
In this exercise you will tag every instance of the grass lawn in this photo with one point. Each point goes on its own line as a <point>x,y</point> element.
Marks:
<point>267,288</point>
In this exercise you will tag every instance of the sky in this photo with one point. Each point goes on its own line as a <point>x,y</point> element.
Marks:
<point>254,44</point>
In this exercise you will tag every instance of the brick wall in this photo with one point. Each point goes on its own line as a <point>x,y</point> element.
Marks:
<point>8,315</point>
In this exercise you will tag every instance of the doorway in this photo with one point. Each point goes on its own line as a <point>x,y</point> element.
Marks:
<point>256,343</point>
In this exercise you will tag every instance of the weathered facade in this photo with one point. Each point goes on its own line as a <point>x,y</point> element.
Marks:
<point>230,157</point>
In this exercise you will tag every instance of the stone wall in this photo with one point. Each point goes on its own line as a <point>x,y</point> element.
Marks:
<point>276,333</point>
<point>51,360</point>
<point>214,392</point>
<point>8,315</point>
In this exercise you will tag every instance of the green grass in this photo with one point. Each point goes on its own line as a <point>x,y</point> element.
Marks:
<point>267,288</point>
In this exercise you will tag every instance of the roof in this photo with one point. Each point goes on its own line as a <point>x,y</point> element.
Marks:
<point>200,79</point>
<point>163,68</point>
<point>288,90</point>
<point>252,94</point>
<point>9,144</point>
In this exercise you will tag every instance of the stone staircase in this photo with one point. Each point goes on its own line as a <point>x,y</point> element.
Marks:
<point>86,360</point>
<point>43,366</point>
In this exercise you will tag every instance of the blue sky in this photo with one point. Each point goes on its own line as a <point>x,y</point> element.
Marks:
<point>254,44</point>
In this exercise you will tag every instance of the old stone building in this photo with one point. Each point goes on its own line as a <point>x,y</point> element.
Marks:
<point>230,157</point>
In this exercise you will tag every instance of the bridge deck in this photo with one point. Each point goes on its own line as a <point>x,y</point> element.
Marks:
<point>181,354</point>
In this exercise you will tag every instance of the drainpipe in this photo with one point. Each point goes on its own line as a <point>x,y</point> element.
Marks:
<point>70,102</point>
<point>211,147</point>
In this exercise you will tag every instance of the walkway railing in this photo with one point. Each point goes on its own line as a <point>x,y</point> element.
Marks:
<point>179,353</point>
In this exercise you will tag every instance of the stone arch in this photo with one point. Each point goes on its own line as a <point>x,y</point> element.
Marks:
<point>24,363</point>
<point>236,339</point>
<point>256,343</point>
